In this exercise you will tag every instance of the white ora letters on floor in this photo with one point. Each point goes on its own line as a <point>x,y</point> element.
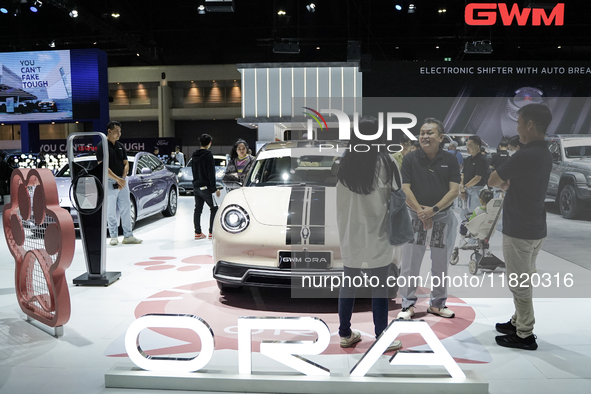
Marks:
<point>288,353</point>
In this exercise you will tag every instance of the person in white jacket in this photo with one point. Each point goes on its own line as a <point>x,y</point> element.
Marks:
<point>363,192</point>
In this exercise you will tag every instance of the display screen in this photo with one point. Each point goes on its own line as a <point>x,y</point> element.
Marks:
<point>35,86</point>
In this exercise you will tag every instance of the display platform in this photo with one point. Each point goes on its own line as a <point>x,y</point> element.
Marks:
<point>105,280</point>
<point>124,377</point>
<point>170,272</point>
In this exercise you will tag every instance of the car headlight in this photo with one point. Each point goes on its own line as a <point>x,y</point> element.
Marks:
<point>234,219</point>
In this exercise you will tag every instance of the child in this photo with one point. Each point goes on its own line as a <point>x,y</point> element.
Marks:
<point>484,196</point>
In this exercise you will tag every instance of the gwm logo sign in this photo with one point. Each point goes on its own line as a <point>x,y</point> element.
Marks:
<point>485,14</point>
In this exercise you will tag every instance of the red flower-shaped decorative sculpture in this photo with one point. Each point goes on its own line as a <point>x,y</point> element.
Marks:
<point>41,237</point>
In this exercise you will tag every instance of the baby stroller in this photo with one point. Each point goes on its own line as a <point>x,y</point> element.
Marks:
<point>481,229</point>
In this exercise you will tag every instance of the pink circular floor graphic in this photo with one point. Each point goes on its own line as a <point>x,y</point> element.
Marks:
<point>154,264</point>
<point>221,312</point>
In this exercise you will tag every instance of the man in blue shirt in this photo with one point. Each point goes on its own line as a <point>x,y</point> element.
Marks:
<point>453,149</point>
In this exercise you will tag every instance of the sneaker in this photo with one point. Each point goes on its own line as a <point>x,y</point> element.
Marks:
<point>395,345</point>
<point>210,236</point>
<point>132,240</point>
<point>512,340</point>
<point>200,236</point>
<point>351,339</point>
<point>506,328</point>
<point>406,313</point>
<point>114,241</point>
<point>443,312</point>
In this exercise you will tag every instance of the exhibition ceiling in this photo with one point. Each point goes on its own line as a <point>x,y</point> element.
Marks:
<point>154,32</point>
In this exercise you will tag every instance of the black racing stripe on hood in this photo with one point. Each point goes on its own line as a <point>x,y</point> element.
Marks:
<point>295,216</point>
<point>318,216</point>
<point>318,207</point>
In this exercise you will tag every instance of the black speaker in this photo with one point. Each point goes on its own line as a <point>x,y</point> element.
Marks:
<point>353,50</point>
<point>163,75</point>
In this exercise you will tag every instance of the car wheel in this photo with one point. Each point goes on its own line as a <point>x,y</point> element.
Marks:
<point>227,288</point>
<point>133,212</point>
<point>172,204</point>
<point>570,205</point>
<point>472,267</point>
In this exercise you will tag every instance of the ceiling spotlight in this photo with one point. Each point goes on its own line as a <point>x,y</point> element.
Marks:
<point>311,7</point>
<point>201,9</point>
<point>3,10</point>
<point>411,8</point>
<point>74,13</point>
<point>398,6</point>
<point>138,56</point>
<point>442,10</point>
<point>115,15</point>
<point>281,12</point>
<point>35,5</point>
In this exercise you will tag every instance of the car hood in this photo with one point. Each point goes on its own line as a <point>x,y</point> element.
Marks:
<point>186,173</point>
<point>292,205</point>
<point>583,164</point>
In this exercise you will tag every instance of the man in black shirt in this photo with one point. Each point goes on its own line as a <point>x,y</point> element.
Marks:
<point>501,156</point>
<point>117,187</point>
<point>430,180</point>
<point>525,176</point>
<point>204,185</point>
<point>5,174</point>
<point>473,174</point>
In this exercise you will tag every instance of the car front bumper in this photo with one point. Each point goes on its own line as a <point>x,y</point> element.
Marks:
<point>185,187</point>
<point>583,192</point>
<point>234,274</point>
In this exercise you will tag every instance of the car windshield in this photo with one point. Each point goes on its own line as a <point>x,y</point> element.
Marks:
<point>304,170</point>
<point>219,162</point>
<point>87,164</point>
<point>460,139</point>
<point>578,152</point>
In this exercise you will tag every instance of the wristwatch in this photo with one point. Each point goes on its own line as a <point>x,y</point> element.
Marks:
<point>435,208</point>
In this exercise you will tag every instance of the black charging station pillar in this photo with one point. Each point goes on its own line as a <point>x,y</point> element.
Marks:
<point>93,226</point>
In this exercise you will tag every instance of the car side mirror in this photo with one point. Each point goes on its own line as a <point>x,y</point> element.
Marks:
<point>146,171</point>
<point>556,157</point>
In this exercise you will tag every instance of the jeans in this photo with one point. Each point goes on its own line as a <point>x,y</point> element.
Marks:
<point>379,301</point>
<point>473,201</point>
<point>203,196</point>
<point>443,239</point>
<point>118,198</point>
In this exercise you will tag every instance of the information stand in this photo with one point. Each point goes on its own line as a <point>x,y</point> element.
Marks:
<point>89,185</point>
